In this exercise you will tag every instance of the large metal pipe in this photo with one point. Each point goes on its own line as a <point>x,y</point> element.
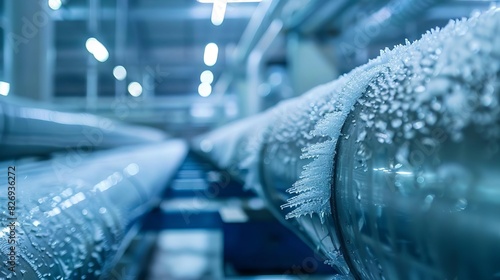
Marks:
<point>392,170</point>
<point>70,217</point>
<point>265,152</point>
<point>27,131</point>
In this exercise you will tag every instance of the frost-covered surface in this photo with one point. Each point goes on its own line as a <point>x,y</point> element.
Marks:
<point>72,212</point>
<point>449,78</point>
<point>31,131</point>
<point>313,187</point>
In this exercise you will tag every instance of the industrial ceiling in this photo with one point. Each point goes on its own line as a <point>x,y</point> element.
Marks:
<point>163,37</point>
<point>162,44</point>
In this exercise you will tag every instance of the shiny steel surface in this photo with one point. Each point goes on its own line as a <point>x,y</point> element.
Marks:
<point>27,131</point>
<point>277,175</point>
<point>395,166</point>
<point>426,210</point>
<point>72,215</point>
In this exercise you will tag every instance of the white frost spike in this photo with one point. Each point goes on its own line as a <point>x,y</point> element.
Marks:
<point>314,185</point>
<point>408,86</point>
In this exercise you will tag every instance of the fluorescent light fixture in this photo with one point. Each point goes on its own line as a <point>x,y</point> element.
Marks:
<point>207,77</point>
<point>211,53</point>
<point>135,89</point>
<point>4,88</point>
<point>204,90</point>
<point>230,1</point>
<point>97,49</point>
<point>218,12</point>
<point>120,72</point>
<point>55,4</point>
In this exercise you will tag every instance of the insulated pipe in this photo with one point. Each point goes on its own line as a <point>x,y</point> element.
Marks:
<point>392,171</point>
<point>26,131</point>
<point>70,217</point>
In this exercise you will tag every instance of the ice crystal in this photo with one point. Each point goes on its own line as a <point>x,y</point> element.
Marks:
<point>313,187</point>
<point>454,68</point>
<point>448,79</point>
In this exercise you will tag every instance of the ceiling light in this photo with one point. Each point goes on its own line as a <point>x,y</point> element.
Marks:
<point>207,77</point>
<point>55,4</point>
<point>4,88</point>
<point>135,89</point>
<point>230,1</point>
<point>97,49</point>
<point>218,12</point>
<point>211,53</point>
<point>120,72</point>
<point>204,90</point>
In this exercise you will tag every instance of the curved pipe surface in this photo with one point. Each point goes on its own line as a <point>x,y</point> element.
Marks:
<point>26,131</point>
<point>419,152</point>
<point>71,214</point>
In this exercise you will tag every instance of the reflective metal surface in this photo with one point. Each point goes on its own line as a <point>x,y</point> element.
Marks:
<point>406,187</point>
<point>265,151</point>
<point>278,172</point>
<point>70,217</point>
<point>419,209</point>
<point>27,131</point>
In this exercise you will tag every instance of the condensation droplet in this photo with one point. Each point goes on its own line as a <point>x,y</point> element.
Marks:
<point>420,179</point>
<point>461,204</point>
<point>396,123</point>
<point>419,89</point>
<point>428,202</point>
<point>418,124</point>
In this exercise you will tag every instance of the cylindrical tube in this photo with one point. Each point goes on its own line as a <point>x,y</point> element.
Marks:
<point>388,170</point>
<point>420,208</point>
<point>417,177</point>
<point>72,212</point>
<point>26,131</point>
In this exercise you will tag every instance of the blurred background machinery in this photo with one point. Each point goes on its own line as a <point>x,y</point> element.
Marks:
<point>105,90</point>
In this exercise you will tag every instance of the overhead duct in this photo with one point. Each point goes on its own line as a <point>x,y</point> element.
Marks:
<point>70,219</point>
<point>392,170</point>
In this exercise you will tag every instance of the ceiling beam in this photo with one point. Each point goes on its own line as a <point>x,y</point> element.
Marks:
<point>202,12</point>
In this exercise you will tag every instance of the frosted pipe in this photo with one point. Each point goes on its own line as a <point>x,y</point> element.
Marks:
<point>28,131</point>
<point>392,171</point>
<point>71,218</point>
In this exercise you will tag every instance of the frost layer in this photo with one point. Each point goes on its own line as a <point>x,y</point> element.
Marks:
<point>450,78</point>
